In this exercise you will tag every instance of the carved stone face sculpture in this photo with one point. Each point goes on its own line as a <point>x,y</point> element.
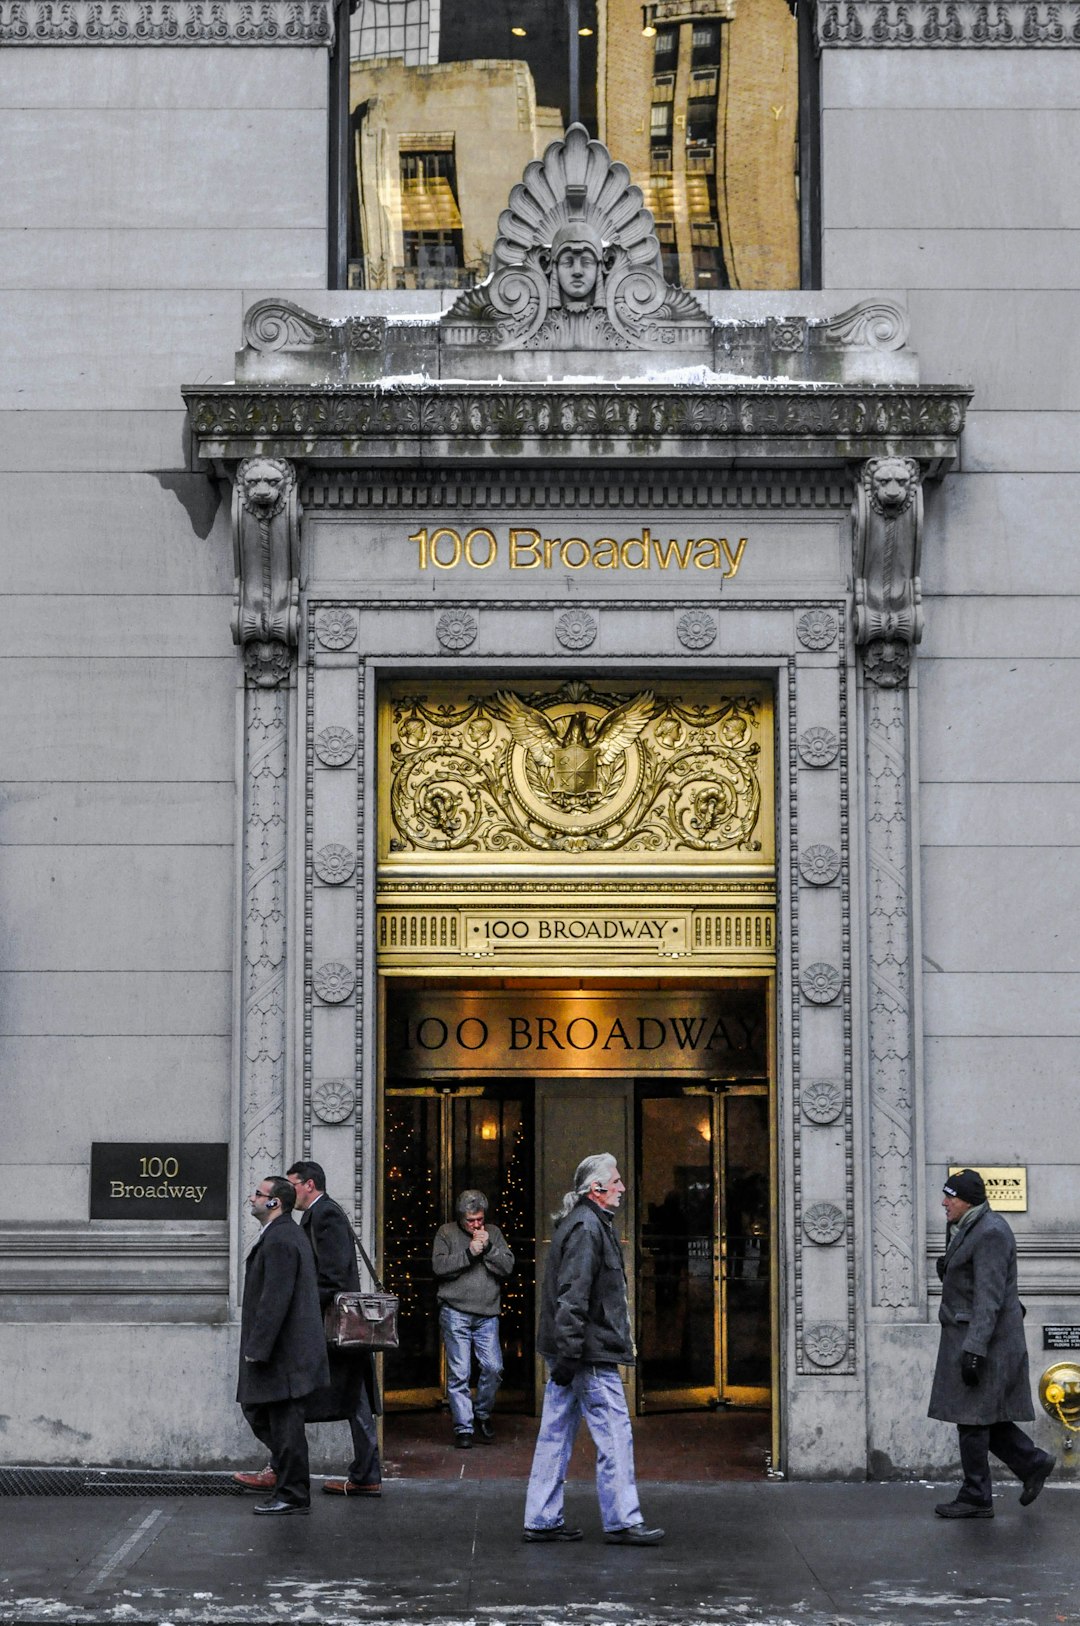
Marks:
<point>263,485</point>
<point>576,270</point>
<point>891,484</point>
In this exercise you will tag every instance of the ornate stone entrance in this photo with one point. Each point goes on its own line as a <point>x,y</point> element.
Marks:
<point>672,523</point>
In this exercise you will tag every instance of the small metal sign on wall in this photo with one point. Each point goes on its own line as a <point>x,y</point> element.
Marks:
<point>155,1180</point>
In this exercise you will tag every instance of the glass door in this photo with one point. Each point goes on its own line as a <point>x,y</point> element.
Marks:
<point>438,1142</point>
<point>703,1255</point>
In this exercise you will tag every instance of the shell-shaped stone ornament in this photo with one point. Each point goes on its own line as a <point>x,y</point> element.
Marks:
<point>576,629</point>
<point>335,746</point>
<point>818,747</point>
<point>826,1343</point>
<point>819,864</point>
<point>824,1223</point>
<point>333,1100</point>
<point>820,983</point>
<point>334,863</point>
<point>822,1100</point>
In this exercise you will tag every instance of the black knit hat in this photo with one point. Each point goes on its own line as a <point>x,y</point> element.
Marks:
<point>967,1185</point>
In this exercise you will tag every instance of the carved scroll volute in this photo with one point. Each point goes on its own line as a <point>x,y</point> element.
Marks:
<point>888,515</point>
<point>266,553</point>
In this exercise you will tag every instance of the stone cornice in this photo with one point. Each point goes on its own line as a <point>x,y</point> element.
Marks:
<point>167,22</point>
<point>775,423</point>
<point>947,24</point>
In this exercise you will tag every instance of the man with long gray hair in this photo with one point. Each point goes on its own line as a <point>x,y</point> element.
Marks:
<point>585,1337</point>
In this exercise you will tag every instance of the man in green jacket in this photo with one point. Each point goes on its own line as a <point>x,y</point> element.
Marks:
<point>471,1260</point>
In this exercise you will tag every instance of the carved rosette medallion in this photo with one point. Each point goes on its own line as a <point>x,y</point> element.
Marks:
<point>820,983</point>
<point>826,1343</point>
<point>696,629</point>
<point>576,629</point>
<point>816,629</point>
<point>818,747</point>
<point>456,629</point>
<point>819,864</point>
<point>575,770</point>
<point>335,628</point>
<point>824,1224</point>
<point>335,746</point>
<point>334,982</point>
<point>822,1100</point>
<point>334,863</point>
<point>333,1100</point>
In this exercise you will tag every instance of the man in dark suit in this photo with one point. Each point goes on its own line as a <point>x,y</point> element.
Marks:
<point>282,1344</point>
<point>981,1380</point>
<point>352,1394</point>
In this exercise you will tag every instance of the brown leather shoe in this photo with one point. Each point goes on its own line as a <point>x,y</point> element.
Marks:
<point>264,1480</point>
<point>348,1487</point>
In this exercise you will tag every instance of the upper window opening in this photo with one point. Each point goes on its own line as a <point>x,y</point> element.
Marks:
<point>450,99</point>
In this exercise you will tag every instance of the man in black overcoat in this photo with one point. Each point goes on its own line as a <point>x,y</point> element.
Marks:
<point>352,1394</point>
<point>282,1343</point>
<point>981,1379</point>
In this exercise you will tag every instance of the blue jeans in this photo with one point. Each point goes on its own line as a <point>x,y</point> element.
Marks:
<point>463,1334</point>
<point>597,1395</point>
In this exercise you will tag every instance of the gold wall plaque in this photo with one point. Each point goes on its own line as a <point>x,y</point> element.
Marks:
<point>719,1033</point>
<point>665,773</point>
<point>1006,1188</point>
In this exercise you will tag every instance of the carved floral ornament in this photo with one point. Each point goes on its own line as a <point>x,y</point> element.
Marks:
<point>575,770</point>
<point>167,22</point>
<point>949,24</point>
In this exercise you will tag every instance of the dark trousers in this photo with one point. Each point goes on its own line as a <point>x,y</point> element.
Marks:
<point>279,1424</point>
<point>1007,1442</point>
<point>366,1468</point>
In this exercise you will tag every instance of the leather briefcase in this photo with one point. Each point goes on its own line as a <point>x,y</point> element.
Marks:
<point>359,1320</point>
<point>362,1321</point>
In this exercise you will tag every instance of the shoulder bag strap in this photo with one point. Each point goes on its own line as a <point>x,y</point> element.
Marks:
<point>379,1288</point>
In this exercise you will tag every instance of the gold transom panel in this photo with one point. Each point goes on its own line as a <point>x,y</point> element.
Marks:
<point>584,774</point>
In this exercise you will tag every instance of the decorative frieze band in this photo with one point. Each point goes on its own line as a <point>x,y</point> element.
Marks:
<point>922,24</point>
<point>167,22</point>
<point>829,423</point>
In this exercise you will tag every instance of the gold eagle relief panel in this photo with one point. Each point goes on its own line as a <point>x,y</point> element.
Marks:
<point>572,769</point>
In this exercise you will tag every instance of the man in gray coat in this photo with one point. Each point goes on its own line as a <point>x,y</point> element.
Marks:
<point>981,1380</point>
<point>585,1337</point>
<point>471,1260</point>
<point>282,1343</point>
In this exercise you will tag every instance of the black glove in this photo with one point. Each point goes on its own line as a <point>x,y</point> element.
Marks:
<point>971,1368</point>
<point>940,1262</point>
<point>562,1373</point>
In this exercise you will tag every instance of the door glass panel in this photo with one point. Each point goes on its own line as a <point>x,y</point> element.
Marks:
<point>747,1350</point>
<point>438,1144</point>
<point>413,1202</point>
<point>676,1294</point>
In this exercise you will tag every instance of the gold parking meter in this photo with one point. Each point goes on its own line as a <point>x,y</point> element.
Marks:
<point>1059,1392</point>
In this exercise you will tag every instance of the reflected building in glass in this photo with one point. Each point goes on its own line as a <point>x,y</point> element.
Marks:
<point>699,98</point>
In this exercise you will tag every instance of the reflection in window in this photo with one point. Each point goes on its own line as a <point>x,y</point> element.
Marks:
<point>450,100</point>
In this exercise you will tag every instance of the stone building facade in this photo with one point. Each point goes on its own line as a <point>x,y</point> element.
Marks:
<point>354,641</point>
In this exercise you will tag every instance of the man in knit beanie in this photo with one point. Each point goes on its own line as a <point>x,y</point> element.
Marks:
<point>981,1380</point>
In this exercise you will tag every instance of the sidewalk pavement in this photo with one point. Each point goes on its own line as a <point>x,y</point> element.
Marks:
<point>435,1553</point>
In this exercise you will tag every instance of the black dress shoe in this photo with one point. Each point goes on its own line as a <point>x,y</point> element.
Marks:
<point>957,1509</point>
<point>635,1535</point>
<point>463,1439</point>
<point>485,1430</point>
<point>1034,1483</point>
<point>277,1505</point>
<point>558,1532</point>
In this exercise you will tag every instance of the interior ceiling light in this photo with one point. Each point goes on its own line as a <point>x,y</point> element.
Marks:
<point>520,32</point>
<point>585,32</point>
<point>648,32</point>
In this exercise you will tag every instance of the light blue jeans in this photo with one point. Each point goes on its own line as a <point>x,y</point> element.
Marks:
<point>597,1395</point>
<point>462,1335</point>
